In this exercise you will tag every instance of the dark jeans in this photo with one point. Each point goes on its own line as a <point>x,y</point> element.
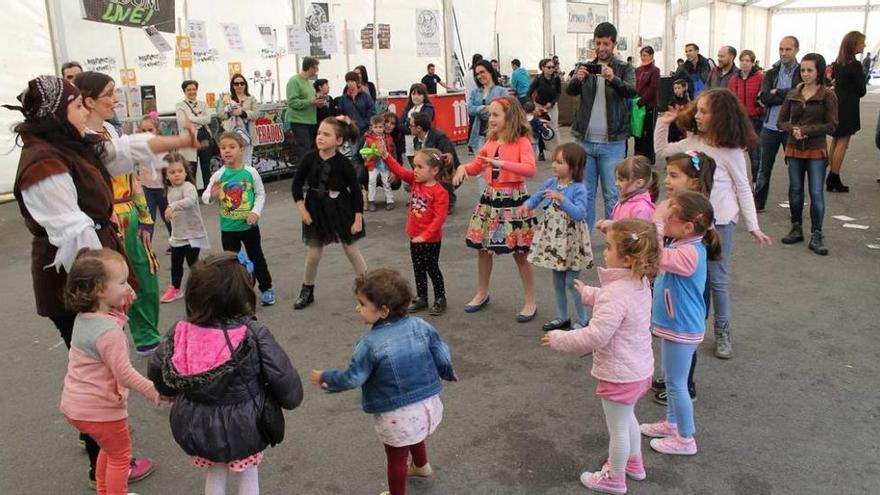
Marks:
<point>770,142</point>
<point>645,145</point>
<point>814,169</point>
<point>64,324</point>
<point>232,241</point>
<point>755,150</point>
<point>157,202</point>
<point>305,138</point>
<point>178,254</point>
<point>426,262</point>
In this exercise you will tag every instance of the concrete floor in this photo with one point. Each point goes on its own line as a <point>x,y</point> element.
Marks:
<point>796,410</point>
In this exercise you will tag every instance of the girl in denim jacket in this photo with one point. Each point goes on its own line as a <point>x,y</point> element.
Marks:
<point>619,337</point>
<point>679,311</point>
<point>399,365</point>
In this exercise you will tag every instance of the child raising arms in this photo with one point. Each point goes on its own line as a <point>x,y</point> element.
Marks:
<point>239,189</point>
<point>328,195</point>
<point>620,339</point>
<point>562,239</point>
<point>679,311</point>
<point>399,365</point>
<point>428,208</point>
<point>229,376</point>
<point>99,374</point>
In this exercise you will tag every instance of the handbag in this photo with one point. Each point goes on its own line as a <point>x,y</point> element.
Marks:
<point>637,118</point>
<point>270,418</point>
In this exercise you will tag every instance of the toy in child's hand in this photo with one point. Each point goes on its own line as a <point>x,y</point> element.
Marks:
<point>371,152</point>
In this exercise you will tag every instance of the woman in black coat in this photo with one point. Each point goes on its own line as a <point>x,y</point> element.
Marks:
<point>849,85</point>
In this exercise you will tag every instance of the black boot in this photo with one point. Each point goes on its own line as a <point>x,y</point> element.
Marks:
<point>418,304</point>
<point>795,235</point>
<point>816,243</point>
<point>306,297</point>
<point>438,307</point>
<point>833,183</point>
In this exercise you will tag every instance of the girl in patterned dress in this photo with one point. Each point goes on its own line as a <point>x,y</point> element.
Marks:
<point>497,227</point>
<point>562,239</point>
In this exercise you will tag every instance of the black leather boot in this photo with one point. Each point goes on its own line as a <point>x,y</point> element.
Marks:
<point>438,307</point>
<point>833,183</point>
<point>418,304</point>
<point>306,297</point>
<point>796,234</point>
<point>816,243</point>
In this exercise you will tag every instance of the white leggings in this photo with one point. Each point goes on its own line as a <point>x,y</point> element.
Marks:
<point>386,185</point>
<point>248,480</point>
<point>623,428</point>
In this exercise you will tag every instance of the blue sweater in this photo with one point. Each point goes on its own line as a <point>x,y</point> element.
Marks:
<point>360,110</point>
<point>519,81</point>
<point>679,310</point>
<point>574,204</point>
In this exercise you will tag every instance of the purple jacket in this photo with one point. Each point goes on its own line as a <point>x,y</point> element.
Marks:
<point>619,333</point>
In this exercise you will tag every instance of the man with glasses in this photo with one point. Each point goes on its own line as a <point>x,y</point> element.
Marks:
<point>302,106</point>
<point>545,90</point>
<point>602,120</point>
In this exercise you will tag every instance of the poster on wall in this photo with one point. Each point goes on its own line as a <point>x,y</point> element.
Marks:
<point>316,15</point>
<point>583,17</point>
<point>367,37</point>
<point>232,33</point>
<point>151,60</point>
<point>142,13</point>
<point>101,64</point>
<point>427,33</point>
<point>655,43</point>
<point>384,36</point>
<point>148,99</point>
<point>156,38</point>
<point>198,35</point>
<point>184,58</point>
<point>328,38</point>
<point>267,35</point>
<point>297,40</point>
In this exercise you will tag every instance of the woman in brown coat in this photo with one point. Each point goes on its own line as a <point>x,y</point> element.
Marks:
<point>808,115</point>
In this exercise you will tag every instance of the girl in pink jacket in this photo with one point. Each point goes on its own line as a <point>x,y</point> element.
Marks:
<point>619,336</point>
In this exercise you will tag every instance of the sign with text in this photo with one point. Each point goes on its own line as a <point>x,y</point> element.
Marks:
<point>184,53</point>
<point>428,33</point>
<point>132,13</point>
<point>268,134</point>
<point>583,17</point>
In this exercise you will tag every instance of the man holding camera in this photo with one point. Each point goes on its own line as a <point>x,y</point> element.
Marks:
<point>602,119</point>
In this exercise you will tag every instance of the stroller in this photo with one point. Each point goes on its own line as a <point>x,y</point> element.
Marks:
<point>547,132</point>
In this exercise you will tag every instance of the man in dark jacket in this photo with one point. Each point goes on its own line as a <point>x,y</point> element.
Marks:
<point>695,69</point>
<point>726,69</point>
<point>782,77</point>
<point>602,119</point>
<point>428,137</point>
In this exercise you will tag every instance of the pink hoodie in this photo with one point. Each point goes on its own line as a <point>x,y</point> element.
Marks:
<point>619,333</point>
<point>638,206</point>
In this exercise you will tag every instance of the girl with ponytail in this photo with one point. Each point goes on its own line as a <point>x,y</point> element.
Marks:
<point>679,310</point>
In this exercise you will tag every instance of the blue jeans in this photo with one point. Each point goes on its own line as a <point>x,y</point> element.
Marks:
<point>755,149</point>
<point>563,280</point>
<point>718,275</point>
<point>157,202</point>
<point>474,137</point>
<point>305,138</point>
<point>601,160</point>
<point>770,142</point>
<point>815,172</point>
<point>676,365</point>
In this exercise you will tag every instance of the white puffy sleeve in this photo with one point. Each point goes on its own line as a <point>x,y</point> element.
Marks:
<point>124,151</point>
<point>52,203</point>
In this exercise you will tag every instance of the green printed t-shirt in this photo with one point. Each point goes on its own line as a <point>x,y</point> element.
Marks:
<point>236,199</point>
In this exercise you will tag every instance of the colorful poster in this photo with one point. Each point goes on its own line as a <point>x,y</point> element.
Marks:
<point>198,35</point>
<point>316,15</point>
<point>234,68</point>
<point>232,33</point>
<point>128,77</point>
<point>184,58</point>
<point>157,39</point>
<point>428,33</point>
<point>328,38</point>
<point>159,13</point>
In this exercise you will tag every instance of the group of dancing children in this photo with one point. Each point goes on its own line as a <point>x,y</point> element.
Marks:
<point>228,378</point>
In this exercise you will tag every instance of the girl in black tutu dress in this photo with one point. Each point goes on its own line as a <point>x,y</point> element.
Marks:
<point>328,195</point>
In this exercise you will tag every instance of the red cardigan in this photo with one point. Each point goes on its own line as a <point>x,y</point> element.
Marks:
<point>428,205</point>
<point>518,158</point>
<point>746,91</point>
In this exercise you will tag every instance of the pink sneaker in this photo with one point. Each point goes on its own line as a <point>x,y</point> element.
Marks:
<point>635,468</point>
<point>171,294</point>
<point>675,445</point>
<point>660,429</point>
<point>141,467</point>
<point>604,482</point>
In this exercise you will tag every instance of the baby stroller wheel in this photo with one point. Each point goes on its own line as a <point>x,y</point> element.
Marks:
<point>548,134</point>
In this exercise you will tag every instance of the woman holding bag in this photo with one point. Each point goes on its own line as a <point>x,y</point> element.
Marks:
<point>196,111</point>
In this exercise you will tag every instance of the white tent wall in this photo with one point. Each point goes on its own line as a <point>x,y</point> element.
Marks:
<point>27,53</point>
<point>821,31</point>
<point>519,24</point>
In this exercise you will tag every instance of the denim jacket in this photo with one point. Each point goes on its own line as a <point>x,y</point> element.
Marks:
<point>397,363</point>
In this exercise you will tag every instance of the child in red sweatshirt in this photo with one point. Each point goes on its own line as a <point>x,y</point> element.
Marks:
<point>428,206</point>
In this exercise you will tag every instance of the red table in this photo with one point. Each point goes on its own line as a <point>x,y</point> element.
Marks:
<point>450,114</point>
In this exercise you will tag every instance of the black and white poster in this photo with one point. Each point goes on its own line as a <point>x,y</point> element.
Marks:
<point>428,33</point>
<point>316,15</point>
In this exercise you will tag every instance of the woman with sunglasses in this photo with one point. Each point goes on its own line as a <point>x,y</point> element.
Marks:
<point>238,111</point>
<point>545,91</point>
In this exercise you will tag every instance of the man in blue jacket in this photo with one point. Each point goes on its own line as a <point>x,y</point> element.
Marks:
<point>519,80</point>
<point>602,119</point>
